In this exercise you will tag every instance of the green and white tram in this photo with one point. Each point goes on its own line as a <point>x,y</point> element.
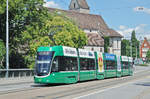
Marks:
<point>110,64</point>
<point>61,64</point>
<point>100,65</point>
<point>87,65</point>
<point>118,66</point>
<point>130,66</point>
<point>125,65</point>
<point>65,65</point>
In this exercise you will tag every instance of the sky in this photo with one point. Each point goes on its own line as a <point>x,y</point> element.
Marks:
<point>123,16</point>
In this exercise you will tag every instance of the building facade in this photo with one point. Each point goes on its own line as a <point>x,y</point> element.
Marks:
<point>94,26</point>
<point>144,47</point>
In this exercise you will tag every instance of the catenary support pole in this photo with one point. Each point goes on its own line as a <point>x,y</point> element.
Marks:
<point>7,41</point>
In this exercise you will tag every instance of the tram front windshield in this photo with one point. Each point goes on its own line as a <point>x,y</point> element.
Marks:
<point>43,63</point>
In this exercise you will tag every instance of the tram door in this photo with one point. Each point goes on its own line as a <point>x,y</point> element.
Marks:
<point>118,66</point>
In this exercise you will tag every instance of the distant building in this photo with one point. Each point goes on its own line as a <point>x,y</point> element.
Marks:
<point>94,26</point>
<point>144,47</point>
<point>79,6</point>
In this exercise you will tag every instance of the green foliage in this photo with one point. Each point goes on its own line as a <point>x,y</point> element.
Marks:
<point>2,53</point>
<point>148,55</point>
<point>106,44</point>
<point>144,65</point>
<point>31,26</point>
<point>125,47</point>
<point>21,14</point>
<point>56,31</point>
<point>135,45</point>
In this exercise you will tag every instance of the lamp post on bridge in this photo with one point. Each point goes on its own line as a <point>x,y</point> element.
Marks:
<point>7,41</point>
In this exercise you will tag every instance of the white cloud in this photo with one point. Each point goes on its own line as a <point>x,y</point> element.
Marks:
<point>139,29</point>
<point>51,4</point>
<point>122,27</point>
<point>142,9</point>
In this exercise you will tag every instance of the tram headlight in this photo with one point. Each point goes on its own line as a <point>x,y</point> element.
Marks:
<point>44,71</point>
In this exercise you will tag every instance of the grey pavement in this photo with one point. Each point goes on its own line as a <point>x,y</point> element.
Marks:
<point>12,84</point>
<point>141,68</point>
<point>133,90</point>
<point>15,84</point>
<point>137,89</point>
<point>17,80</point>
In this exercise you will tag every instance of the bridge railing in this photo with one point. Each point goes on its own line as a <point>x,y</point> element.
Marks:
<point>16,73</point>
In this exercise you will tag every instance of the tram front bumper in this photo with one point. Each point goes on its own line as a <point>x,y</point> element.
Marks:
<point>41,80</point>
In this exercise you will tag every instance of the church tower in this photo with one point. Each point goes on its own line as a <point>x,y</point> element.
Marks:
<point>79,6</point>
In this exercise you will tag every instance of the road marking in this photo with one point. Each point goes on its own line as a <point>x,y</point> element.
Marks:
<point>103,90</point>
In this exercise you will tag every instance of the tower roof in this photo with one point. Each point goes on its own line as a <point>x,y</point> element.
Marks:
<point>83,4</point>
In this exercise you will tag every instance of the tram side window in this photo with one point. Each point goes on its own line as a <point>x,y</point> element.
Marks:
<point>87,64</point>
<point>67,63</point>
<point>55,65</point>
<point>125,65</point>
<point>131,65</point>
<point>110,65</point>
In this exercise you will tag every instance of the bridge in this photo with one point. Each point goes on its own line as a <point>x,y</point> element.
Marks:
<point>129,87</point>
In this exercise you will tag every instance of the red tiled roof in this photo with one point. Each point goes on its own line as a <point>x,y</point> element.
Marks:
<point>95,39</point>
<point>89,21</point>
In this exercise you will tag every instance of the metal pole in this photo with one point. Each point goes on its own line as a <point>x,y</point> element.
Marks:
<point>7,41</point>
<point>136,52</point>
<point>131,49</point>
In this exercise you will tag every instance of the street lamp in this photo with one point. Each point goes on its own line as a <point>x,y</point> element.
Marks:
<point>7,41</point>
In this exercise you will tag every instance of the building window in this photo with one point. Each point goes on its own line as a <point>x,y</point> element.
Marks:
<point>74,5</point>
<point>101,50</point>
<point>145,45</point>
<point>117,44</point>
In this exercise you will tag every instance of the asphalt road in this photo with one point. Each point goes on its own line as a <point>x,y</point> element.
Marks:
<point>137,89</point>
<point>130,87</point>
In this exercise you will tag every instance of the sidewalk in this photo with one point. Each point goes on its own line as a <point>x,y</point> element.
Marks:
<point>17,80</point>
<point>141,68</point>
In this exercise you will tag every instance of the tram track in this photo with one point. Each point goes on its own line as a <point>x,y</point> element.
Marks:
<point>69,91</point>
<point>102,85</point>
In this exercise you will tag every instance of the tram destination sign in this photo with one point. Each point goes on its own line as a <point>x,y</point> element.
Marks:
<point>124,58</point>
<point>85,53</point>
<point>68,51</point>
<point>109,56</point>
<point>130,59</point>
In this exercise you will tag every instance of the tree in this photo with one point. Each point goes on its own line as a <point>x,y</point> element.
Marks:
<point>2,54</point>
<point>31,26</point>
<point>125,48</point>
<point>57,31</point>
<point>21,14</point>
<point>148,55</point>
<point>135,45</point>
<point>106,44</point>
